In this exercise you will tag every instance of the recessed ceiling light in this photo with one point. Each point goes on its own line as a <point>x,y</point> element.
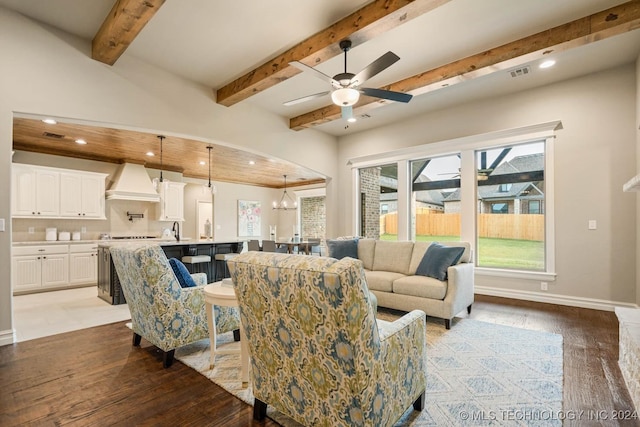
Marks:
<point>50,121</point>
<point>548,63</point>
<point>150,154</point>
<point>251,162</point>
<point>202,162</point>
<point>81,141</point>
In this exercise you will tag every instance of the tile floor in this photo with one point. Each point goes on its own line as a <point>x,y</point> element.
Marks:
<point>49,313</point>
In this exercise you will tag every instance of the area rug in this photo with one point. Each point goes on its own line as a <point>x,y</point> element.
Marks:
<point>478,373</point>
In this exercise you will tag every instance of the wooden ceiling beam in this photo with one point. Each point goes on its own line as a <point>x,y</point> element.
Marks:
<point>614,21</point>
<point>375,18</point>
<point>125,21</point>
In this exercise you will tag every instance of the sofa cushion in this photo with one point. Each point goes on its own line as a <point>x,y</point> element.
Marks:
<point>420,286</point>
<point>392,256</point>
<point>181,273</point>
<point>437,260</point>
<point>366,251</point>
<point>420,248</point>
<point>381,280</point>
<point>339,249</point>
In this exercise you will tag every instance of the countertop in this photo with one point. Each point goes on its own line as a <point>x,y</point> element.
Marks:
<point>162,242</point>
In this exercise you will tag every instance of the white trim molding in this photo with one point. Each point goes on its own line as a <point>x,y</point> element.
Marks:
<point>538,132</point>
<point>515,274</point>
<point>7,337</point>
<point>571,301</point>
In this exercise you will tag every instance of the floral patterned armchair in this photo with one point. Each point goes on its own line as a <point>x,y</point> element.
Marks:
<point>165,314</point>
<point>317,352</point>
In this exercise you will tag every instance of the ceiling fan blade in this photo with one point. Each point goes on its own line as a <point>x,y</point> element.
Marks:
<point>319,74</point>
<point>386,94</point>
<point>380,64</point>
<point>306,98</point>
<point>347,112</point>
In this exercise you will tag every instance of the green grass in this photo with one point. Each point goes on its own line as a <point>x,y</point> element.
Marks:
<point>498,253</point>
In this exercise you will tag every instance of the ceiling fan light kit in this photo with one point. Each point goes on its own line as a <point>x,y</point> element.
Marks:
<point>346,91</point>
<point>345,97</point>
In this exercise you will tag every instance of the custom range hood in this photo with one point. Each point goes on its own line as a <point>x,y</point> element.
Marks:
<point>132,182</point>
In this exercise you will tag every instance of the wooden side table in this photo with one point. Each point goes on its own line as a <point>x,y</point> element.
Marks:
<point>223,294</point>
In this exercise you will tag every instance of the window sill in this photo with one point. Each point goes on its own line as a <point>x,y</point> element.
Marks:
<point>516,274</point>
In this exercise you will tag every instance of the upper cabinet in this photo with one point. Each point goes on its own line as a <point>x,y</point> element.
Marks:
<point>171,206</point>
<point>82,195</point>
<point>44,192</point>
<point>35,192</point>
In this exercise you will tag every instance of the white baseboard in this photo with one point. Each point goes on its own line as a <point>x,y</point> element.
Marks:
<point>7,337</point>
<point>596,304</point>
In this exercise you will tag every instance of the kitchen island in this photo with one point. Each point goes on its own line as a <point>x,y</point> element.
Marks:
<point>109,286</point>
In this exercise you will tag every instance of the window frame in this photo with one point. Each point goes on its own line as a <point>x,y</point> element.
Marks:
<point>467,147</point>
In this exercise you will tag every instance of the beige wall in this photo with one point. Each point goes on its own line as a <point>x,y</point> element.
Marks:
<point>47,72</point>
<point>595,154</point>
<point>637,172</point>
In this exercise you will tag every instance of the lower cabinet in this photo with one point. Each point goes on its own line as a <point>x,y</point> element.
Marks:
<point>36,267</point>
<point>53,266</point>
<point>83,264</point>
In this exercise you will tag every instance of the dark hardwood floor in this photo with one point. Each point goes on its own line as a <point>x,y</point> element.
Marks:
<point>95,377</point>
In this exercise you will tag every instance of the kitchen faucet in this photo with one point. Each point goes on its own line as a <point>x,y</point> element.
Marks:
<point>176,230</point>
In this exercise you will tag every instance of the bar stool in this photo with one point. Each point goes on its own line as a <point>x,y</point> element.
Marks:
<point>196,261</point>
<point>221,264</point>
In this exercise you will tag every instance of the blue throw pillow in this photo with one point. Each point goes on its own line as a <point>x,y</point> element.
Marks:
<point>182,274</point>
<point>339,249</point>
<point>438,259</point>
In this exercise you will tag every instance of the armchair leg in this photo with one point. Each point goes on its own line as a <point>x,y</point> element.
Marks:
<point>236,334</point>
<point>167,358</point>
<point>447,323</point>
<point>259,410</point>
<point>418,405</point>
<point>469,309</point>
<point>136,340</point>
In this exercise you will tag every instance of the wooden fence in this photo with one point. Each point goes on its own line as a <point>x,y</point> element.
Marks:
<point>499,226</point>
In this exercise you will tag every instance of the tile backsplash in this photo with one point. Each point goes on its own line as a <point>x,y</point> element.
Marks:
<point>117,223</point>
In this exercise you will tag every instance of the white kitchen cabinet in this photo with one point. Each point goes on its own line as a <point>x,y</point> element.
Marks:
<point>83,263</point>
<point>39,267</point>
<point>35,192</point>
<point>171,206</point>
<point>82,195</point>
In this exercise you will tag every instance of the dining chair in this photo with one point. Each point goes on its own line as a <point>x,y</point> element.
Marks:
<point>253,245</point>
<point>268,245</point>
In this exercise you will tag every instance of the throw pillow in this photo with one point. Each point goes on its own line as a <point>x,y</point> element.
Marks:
<point>182,274</point>
<point>438,259</point>
<point>339,249</point>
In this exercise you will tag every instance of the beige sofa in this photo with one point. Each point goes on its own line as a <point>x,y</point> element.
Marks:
<point>390,271</point>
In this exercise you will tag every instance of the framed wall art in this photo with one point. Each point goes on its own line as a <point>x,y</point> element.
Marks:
<point>249,213</point>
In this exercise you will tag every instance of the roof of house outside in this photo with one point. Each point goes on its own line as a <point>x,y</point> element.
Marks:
<point>526,163</point>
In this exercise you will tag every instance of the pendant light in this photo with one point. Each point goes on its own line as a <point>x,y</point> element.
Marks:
<point>157,182</point>
<point>283,205</point>
<point>212,188</point>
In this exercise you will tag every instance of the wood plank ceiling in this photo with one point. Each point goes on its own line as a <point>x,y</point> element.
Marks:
<point>179,154</point>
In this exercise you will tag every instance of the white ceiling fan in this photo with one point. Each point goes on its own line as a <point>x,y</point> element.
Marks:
<point>346,86</point>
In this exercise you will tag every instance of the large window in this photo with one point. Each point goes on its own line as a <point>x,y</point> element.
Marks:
<point>435,199</point>
<point>379,202</point>
<point>510,230</point>
<point>494,190</point>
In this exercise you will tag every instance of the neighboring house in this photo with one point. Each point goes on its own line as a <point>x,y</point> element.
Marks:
<point>512,198</point>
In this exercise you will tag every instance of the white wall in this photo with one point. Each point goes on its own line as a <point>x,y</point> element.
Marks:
<point>595,154</point>
<point>46,72</point>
